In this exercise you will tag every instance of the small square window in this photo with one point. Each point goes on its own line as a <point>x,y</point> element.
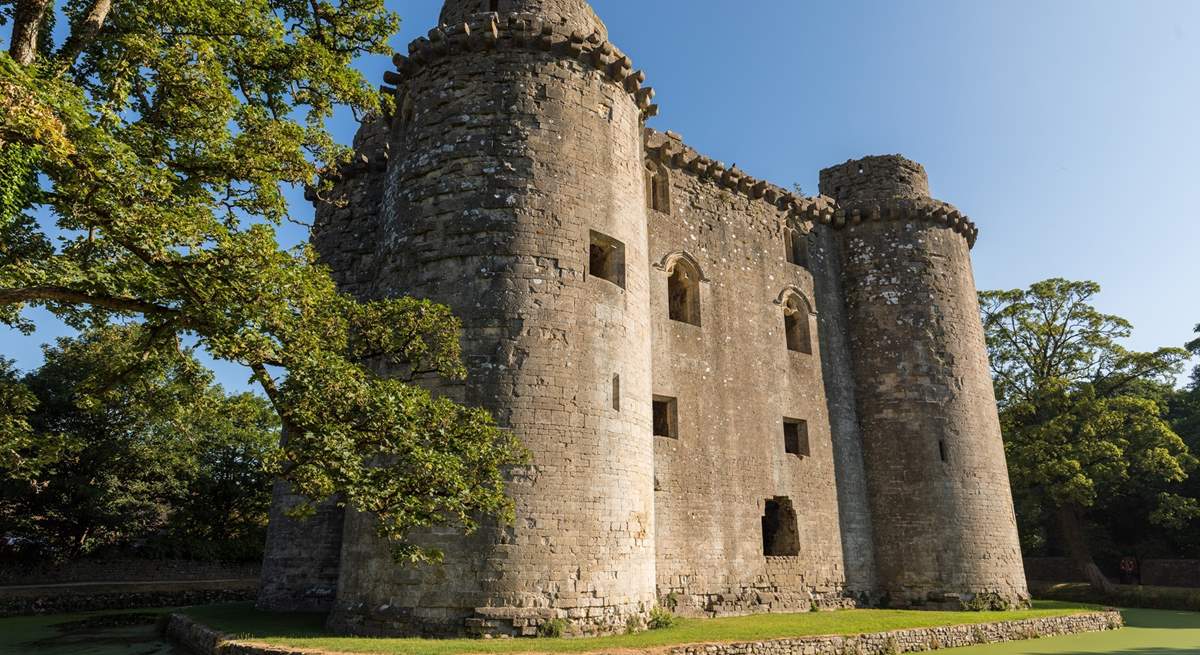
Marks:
<point>606,259</point>
<point>795,437</point>
<point>666,417</point>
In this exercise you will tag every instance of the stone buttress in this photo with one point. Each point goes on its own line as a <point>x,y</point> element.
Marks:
<point>938,488</point>
<point>514,195</point>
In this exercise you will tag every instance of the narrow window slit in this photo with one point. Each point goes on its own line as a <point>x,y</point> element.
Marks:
<point>616,392</point>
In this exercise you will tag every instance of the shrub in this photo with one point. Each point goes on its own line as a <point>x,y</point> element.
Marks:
<point>633,624</point>
<point>987,602</point>
<point>661,619</point>
<point>552,629</point>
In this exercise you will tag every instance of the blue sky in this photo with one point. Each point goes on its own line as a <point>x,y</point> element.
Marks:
<point>1069,130</point>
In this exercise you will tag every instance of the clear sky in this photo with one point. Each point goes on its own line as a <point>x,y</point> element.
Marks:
<point>1069,130</point>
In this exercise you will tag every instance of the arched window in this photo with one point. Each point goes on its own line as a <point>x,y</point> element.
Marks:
<point>658,188</point>
<point>796,325</point>
<point>683,293</point>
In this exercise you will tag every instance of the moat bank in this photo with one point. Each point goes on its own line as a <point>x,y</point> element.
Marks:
<point>865,632</point>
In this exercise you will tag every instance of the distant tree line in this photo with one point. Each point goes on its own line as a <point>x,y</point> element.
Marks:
<point>1101,443</point>
<point>110,447</point>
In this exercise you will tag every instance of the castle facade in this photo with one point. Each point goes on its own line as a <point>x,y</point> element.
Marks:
<point>737,399</point>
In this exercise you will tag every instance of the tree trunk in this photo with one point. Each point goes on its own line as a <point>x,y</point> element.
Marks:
<point>27,25</point>
<point>1071,525</point>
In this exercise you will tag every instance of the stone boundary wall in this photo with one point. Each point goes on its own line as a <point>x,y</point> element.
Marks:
<point>124,570</point>
<point>1154,572</point>
<point>1171,572</point>
<point>199,639</point>
<point>45,602</point>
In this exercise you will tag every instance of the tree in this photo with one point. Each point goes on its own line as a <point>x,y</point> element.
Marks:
<point>163,134</point>
<point>111,452</point>
<point>1080,420</point>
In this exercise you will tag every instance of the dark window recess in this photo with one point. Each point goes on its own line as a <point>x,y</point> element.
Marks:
<point>942,451</point>
<point>796,326</point>
<point>658,189</point>
<point>606,259</point>
<point>616,392</point>
<point>781,536</point>
<point>797,248</point>
<point>795,437</point>
<point>683,293</point>
<point>666,417</point>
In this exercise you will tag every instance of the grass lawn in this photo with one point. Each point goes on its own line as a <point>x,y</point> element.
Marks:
<point>1147,632</point>
<point>244,623</point>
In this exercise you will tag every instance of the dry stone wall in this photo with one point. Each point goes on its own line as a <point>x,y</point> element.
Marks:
<point>197,639</point>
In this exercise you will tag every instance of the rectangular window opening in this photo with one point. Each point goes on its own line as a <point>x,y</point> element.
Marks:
<point>795,437</point>
<point>606,259</point>
<point>666,417</point>
<point>943,452</point>
<point>616,392</point>
<point>780,532</point>
<point>797,248</point>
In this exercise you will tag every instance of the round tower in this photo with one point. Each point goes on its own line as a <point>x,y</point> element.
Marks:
<point>516,196</point>
<point>944,526</point>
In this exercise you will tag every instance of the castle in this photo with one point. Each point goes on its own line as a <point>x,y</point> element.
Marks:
<point>737,399</point>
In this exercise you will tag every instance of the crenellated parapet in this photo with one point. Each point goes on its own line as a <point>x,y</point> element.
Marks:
<point>668,149</point>
<point>529,32</point>
<point>928,210</point>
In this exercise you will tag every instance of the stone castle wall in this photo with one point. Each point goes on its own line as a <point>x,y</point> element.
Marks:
<point>734,382</point>
<point>937,479</point>
<point>516,150</point>
<point>507,161</point>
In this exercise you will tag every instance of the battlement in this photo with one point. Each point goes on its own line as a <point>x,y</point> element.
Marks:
<point>887,189</point>
<point>669,150</point>
<point>572,15</point>
<point>530,32</point>
<point>876,178</point>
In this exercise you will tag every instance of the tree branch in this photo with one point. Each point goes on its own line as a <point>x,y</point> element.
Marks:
<point>65,295</point>
<point>83,33</point>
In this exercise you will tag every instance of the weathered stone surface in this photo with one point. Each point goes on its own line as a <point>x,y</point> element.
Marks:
<point>198,639</point>
<point>805,361</point>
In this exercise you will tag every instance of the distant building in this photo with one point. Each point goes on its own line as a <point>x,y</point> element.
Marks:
<point>737,399</point>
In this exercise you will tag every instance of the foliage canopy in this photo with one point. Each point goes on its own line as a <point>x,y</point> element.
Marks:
<point>154,145</point>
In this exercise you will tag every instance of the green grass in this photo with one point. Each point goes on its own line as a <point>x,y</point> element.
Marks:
<point>1147,632</point>
<point>244,623</point>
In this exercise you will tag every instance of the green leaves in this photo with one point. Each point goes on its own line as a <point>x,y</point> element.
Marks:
<point>1084,418</point>
<point>164,134</point>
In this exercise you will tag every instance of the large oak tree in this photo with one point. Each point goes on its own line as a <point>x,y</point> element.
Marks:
<point>1080,427</point>
<point>144,158</point>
